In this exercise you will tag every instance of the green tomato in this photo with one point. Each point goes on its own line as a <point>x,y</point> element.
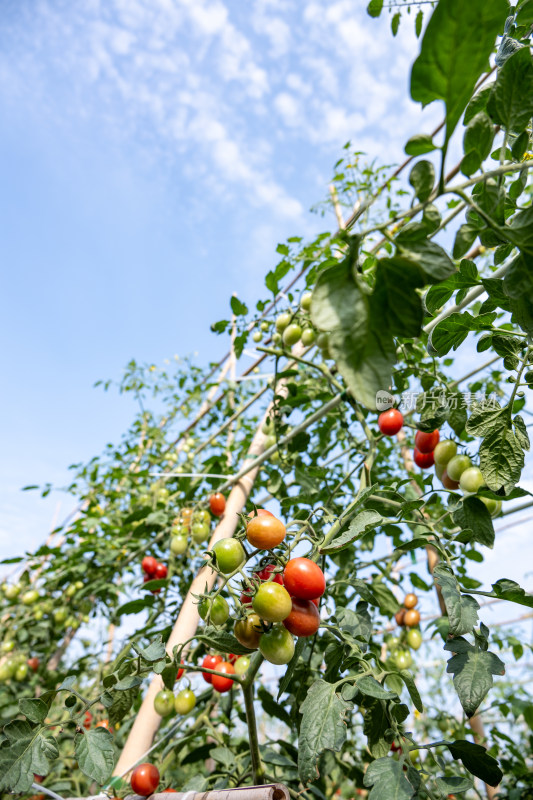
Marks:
<point>322,341</point>
<point>6,672</point>
<point>202,515</point>
<point>268,426</point>
<point>30,597</point>
<point>164,703</point>
<point>70,590</point>
<point>229,554</point>
<point>403,659</point>
<point>413,755</point>
<point>494,506</point>
<point>471,480</point>
<point>162,495</point>
<point>184,702</point>
<point>282,321</point>
<point>144,499</point>
<point>79,585</point>
<point>444,452</point>
<point>393,642</point>
<point>217,610</point>
<point>292,334</point>
<point>21,672</point>
<point>200,532</point>
<point>179,545</point>
<point>305,301</point>
<point>242,665</point>
<point>72,622</point>
<point>456,466</point>
<point>7,646</point>
<point>60,615</point>
<point>414,639</point>
<point>277,646</point>
<point>258,336</point>
<point>47,606</point>
<point>308,337</point>
<point>270,441</point>
<point>272,602</point>
<point>181,530</point>
<point>265,325</point>
<point>38,614</point>
<point>12,590</point>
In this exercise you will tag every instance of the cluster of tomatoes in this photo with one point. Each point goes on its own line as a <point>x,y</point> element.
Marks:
<point>290,327</point>
<point>102,723</point>
<point>390,423</point>
<point>195,524</point>
<point>153,571</point>
<point>15,666</point>
<point>408,618</point>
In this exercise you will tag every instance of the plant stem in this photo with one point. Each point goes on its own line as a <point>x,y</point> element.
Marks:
<point>248,694</point>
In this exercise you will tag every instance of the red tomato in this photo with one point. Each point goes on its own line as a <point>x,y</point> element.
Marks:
<point>210,662</point>
<point>316,601</point>
<point>180,675</point>
<point>265,532</point>
<point>265,573</point>
<point>104,723</point>
<point>423,460</point>
<point>160,572</point>
<point>88,718</point>
<point>217,504</point>
<point>304,579</point>
<point>221,684</point>
<point>145,779</point>
<point>232,658</point>
<point>33,663</point>
<point>149,565</point>
<point>426,442</point>
<point>390,422</point>
<point>304,619</point>
<point>448,483</point>
<point>246,599</point>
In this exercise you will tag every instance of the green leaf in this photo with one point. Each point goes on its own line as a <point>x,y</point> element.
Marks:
<point>396,281</point>
<point>388,781</point>
<point>388,603</point>
<point>357,624</point>
<point>238,308</point>
<point>222,641</point>
<point>337,299</point>
<point>486,419</point>
<point>479,135</point>
<point>464,239</point>
<point>477,761</point>
<point>451,332</point>
<point>501,460</point>
<point>134,606</point>
<point>371,687</point>
<point>457,43</point>
<point>453,785</point>
<point>155,651</point>
<point>375,724</point>
<point>472,671</point>
<point>95,753</point>
<point>323,727</point>
<point>419,145</point>
<point>477,103</point>
<point>23,752</point>
<point>473,515</point>
<point>520,231</point>
<point>419,20</point>
<point>395,23</point>
<point>374,8</point>
<point>33,709</point>
<point>422,179</point>
<point>366,365</point>
<point>434,263</point>
<point>121,704</point>
<point>272,708</point>
<point>462,609</point>
<point>224,756</point>
<point>363,522</point>
<point>507,589</point>
<point>511,100</point>
<point>410,684</point>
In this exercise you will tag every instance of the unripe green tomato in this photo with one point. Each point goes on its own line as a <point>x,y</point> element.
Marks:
<point>200,532</point>
<point>70,590</point>
<point>270,441</point>
<point>30,597</point>
<point>191,441</point>
<point>72,622</point>
<point>179,545</point>
<point>85,618</point>
<point>528,376</point>
<point>184,702</point>
<point>60,615</point>
<point>443,725</point>
<point>268,426</point>
<point>413,755</point>
<point>456,466</point>
<point>242,665</point>
<point>144,499</point>
<point>7,646</point>
<point>5,672</point>
<point>393,642</point>
<point>414,639</point>
<point>282,321</point>
<point>272,602</point>
<point>308,337</point>
<point>292,334</point>
<point>265,325</point>
<point>494,506</point>
<point>164,703</point>
<point>305,301</point>
<point>276,338</point>
<point>277,646</point>
<point>218,610</point>
<point>21,672</point>
<point>181,530</point>
<point>202,515</point>
<point>12,590</point>
<point>38,614</point>
<point>444,452</point>
<point>229,554</point>
<point>403,659</point>
<point>172,457</point>
<point>163,494</point>
<point>471,480</point>
<point>79,585</point>
<point>47,605</point>
<point>258,336</point>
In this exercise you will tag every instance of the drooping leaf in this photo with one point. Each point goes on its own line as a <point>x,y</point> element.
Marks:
<point>453,784</point>
<point>477,761</point>
<point>422,179</point>
<point>33,709</point>
<point>95,753</point>
<point>364,521</point>
<point>472,671</point>
<point>419,145</point>
<point>462,609</point>
<point>323,727</point>
<point>509,590</point>
<point>375,724</point>
<point>473,515</point>
<point>388,781</point>
<point>501,460</point>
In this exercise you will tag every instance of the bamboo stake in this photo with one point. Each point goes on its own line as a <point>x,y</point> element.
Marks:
<point>274,791</point>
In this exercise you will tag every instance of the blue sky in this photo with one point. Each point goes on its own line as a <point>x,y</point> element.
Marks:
<point>154,154</point>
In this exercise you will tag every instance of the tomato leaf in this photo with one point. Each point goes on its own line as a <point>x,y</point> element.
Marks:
<point>462,609</point>
<point>507,589</point>
<point>371,687</point>
<point>410,684</point>
<point>422,179</point>
<point>23,752</point>
<point>472,671</point>
<point>95,753</point>
<point>476,760</point>
<point>450,785</point>
<point>323,727</point>
<point>223,642</point>
<point>155,651</point>
<point>33,709</point>
<point>501,459</point>
<point>419,145</point>
<point>432,260</point>
<point>364,521</point>
<point>473,515</point>
<point>511,100</point>
<point>375,724</point>
<point>388,781</point>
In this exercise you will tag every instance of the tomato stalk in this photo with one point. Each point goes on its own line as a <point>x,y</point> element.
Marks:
<point>248,694</point>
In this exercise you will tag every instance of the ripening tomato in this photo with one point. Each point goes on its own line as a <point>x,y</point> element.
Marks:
<point>164,703</point>
<point>426,442</point>
<point>471,480</point>
<point>184,701</point>
<point>180,673</point>
<point>410,600</point>
<point>456,466</point>
<point>145,779</point>
<point>202,515</point>
<point>265,532</point>
<point>411,618</point>
<point>210,662</point>
<point>272,602</point>
<point>160,572</point>
<point>242,665</point>
<point>229,555</point>
<point>445,451</point>
<point>33,663</point>
<point>248,631</point>
<point>447,481</point>
<point>104,723</point>
<point>304,579</point>
<point>399,616</point>
<point>219,683</point>
<point>149,564</point>
<point>217,504</point>
<point>87,719</point>
<point>277,646</point>
<point>423,460</point>
<point>304,619</point>
<point>217,610</point>
<point>414,639</point>
<point>260,512</point>
<point>390,422</point>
